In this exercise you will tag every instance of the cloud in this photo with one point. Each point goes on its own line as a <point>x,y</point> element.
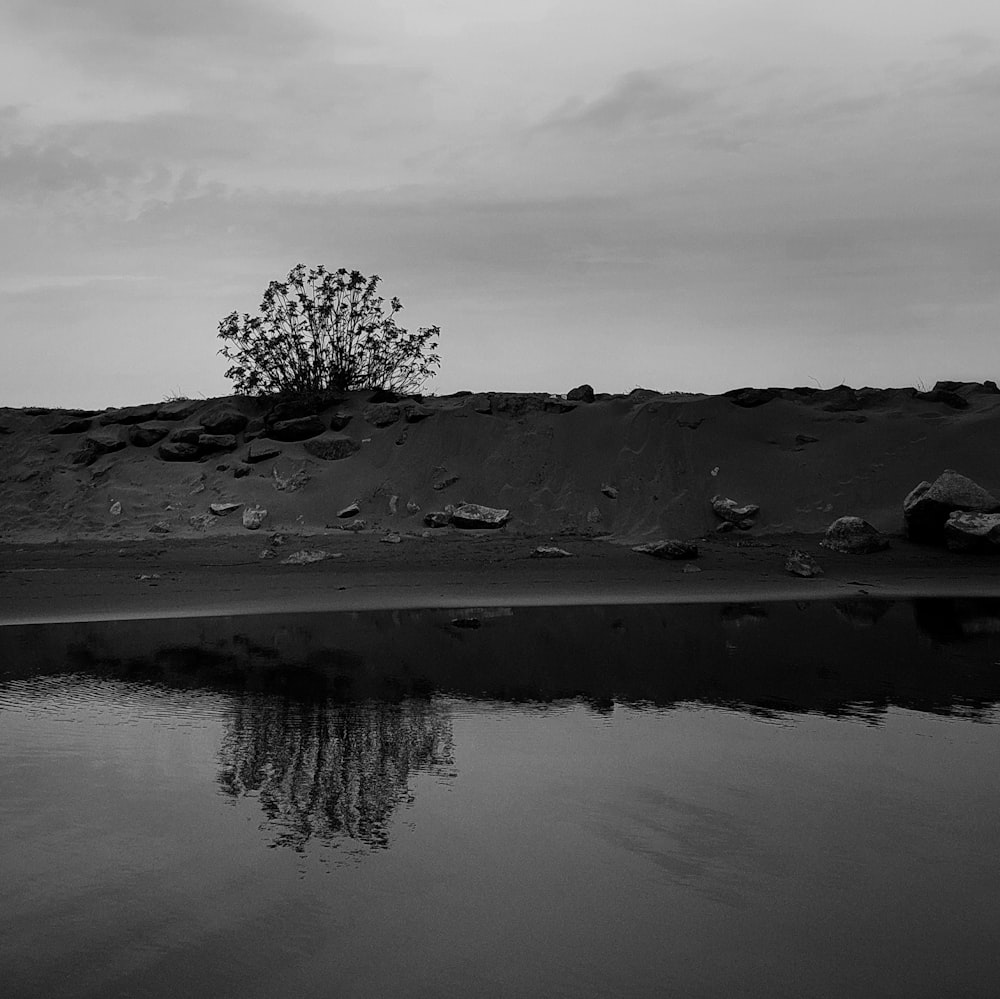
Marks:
<point>637,98</point>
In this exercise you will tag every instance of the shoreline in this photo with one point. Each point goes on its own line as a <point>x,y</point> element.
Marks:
<point>108,580</point>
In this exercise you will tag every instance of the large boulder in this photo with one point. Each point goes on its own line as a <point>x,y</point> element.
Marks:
<point>214,443</point>
<point>186,435</point>
<point>853,536</point>
<point>582,393</point>
<point>178,409</point>
<point>130,414</point>
<point>223,420</point>
<point>472,516</point>
<point>927,508</point>
<point>970,532</point>
<point>299,428</point>
<point>381,414</point>
<point>146,434</point>
<point>332,448</point>
<point>72,426</point>
<point>414,412</point>
<point>179,451</point>
<point>96,445</point>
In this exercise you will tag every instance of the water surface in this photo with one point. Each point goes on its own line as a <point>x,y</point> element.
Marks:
<point>774,800</point>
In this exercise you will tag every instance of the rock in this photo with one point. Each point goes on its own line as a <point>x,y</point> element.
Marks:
<point>146,434</point>
<point>594,515</point>
<point>255,428</point>
<point>306,557</point>
<point>255,455</point>
<point>222,509</point>
<point>253,517</point>
<point>298,429</point>
<point>448,479</point>
<point>437,518</point>
<point>973,532</point>
<point>806,439</point>
<point>482,404</point>
<point>179,452</point>
<point>731,511</point>
<point>352,510</point>
<point>354,525</point>
<point>691,568</point>
<point>610,491</point>
<point>339,421</point>
<point>800,564</point>
<point>928,506</point>
<point>332,448</point>
<point>550,551</point>
<point>582,393</point>
<point>116,509</point>
<point>130,414</point>
<point>223,420</point>
<point>401,439</point>
<point>412,507</point>
<point>293,483</point>
<point>214,443</point>
<point>669,548</point>
<point>391,539</point>
<point>472,516</point>
<point>381,414</point>
<point>186,435</point>
<point>945,396</point>
<point>415,412</point>
<point>554,404</point>
<point>160,527</point>
<point>241,471</point>
<point>393,504</point>
<point>77,426</point>
<point>96,445</point>
<point>749,398</point>
<point>201,521</point>
<point>466,622</point>
<point>853,536</point>
<point>179,409</point>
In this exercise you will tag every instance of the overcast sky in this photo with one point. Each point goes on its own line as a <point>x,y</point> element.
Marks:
<point>678,194</point>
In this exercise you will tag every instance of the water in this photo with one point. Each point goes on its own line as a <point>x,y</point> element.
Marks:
<point>754,800</point>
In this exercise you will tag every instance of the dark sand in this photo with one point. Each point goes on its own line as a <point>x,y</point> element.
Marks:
<point>99,580</point>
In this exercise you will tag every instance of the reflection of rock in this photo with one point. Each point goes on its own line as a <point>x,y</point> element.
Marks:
<point>861,612</point>
<point>958,619</point>
<point>330,771</point>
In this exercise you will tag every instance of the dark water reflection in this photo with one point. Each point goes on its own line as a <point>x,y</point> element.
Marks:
<point>754,799</point>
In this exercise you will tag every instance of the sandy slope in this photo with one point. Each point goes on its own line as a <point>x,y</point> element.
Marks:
<point>666,455</point>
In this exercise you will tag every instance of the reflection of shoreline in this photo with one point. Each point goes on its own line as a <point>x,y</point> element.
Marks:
<point>856,655</point>
<point>330,771</point>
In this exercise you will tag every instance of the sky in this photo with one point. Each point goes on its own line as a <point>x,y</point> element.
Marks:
<point>687,195</point>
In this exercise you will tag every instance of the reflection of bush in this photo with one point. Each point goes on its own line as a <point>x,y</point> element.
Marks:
<point>329,770</point>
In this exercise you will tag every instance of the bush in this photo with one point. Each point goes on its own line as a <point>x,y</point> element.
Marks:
<point>322,332</point>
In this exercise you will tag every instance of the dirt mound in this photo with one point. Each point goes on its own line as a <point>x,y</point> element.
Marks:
<point>630,467</point>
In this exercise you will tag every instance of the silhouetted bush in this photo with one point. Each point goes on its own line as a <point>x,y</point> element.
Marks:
<point>321,332</point>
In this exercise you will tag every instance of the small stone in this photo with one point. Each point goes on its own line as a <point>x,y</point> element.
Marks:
<point>610,491</point>
<point>221,509</point>
<point>253,517</point>
<point>446,480</point>
<point>116,509</point>
<point>255,455</point>
<point>202,521</point>
<point>800,564</point>
<point>352,510</point>
<point>412,507</point>
<point>354,525</point>
<point>669,548</point>
<point>241,471</point>
<point>437,518</point>
<point>466,622</point>
<point>306,557</point>
<point>550,551</point>
<point>393,503</point>
<point>160,527</point>
<point>391,539</point>
<point>730,510</point>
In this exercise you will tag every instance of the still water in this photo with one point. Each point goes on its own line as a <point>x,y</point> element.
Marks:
<point>796,800</point>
